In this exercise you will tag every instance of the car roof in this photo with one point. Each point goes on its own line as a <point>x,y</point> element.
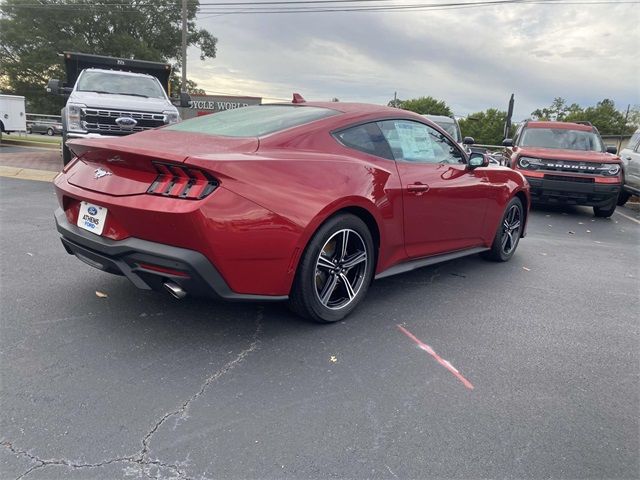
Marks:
<point>560,125</point>
<point>346,107</point>
<point>353,113</point>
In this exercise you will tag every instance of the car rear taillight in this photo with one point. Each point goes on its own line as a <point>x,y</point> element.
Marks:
<point>181,181</point>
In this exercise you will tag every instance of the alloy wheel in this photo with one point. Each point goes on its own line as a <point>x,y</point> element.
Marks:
<point>511,229</point>
<point>341,269</point>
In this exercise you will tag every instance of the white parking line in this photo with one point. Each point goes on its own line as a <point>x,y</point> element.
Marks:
<point>628,217</point>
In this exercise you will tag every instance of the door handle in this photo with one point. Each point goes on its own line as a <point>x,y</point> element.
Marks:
<point>417,188</point>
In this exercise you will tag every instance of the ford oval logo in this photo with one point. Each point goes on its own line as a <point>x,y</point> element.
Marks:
<point>92,210</point>
<point>126,123</point>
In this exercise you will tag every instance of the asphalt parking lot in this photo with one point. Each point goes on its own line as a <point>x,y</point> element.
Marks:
<point>139,385</point>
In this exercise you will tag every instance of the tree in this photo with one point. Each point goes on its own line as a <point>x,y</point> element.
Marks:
<point>395,103</point>
<point>485,127</point>
<point>558,110</point>
<point>175,84</point>
<point>423,106</point>
<point>603,115</point>
<point>32,35</point>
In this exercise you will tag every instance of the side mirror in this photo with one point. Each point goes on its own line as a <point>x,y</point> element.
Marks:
<point>53,86</point>
<point>612,149</point>
<point>185,98</point>
<point>478,160</point>
<point>468,141</point>
<point>507,142</point>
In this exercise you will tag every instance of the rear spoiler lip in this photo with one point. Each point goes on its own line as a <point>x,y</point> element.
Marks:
<point>83,145</point>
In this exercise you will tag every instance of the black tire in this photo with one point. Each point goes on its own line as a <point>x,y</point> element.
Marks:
<point>320,292</point>
<point>508,233</point>
<point>604,212</point>
<point>50,132</point>
<point>623,198</point>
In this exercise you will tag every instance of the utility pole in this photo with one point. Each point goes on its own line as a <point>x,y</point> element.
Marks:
<point>183,86</point>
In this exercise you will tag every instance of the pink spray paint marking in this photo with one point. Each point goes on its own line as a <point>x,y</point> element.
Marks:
<point>440,360</point>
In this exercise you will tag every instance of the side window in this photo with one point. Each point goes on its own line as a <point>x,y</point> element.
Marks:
<point>417,142</point>
<point>367,138</point>
<point>516,137</point>
<point>634,142</point>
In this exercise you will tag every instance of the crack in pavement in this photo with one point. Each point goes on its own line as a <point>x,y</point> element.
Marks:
<point>140,460</point>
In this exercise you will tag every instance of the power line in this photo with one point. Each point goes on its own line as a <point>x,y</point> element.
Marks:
<point>421,7</point>
<point>307,6</point>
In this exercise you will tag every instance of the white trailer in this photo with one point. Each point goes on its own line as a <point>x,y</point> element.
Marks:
<point>12,114</point>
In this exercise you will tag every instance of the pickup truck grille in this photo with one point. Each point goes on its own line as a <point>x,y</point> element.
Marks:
<point>104,121</point>
<point>569,166</point>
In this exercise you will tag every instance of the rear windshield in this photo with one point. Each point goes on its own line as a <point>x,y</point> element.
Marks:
<point>254,121</point>
<point>561,138</point>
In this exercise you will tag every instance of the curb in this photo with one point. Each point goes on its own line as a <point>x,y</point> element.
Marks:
<point>27,174</point>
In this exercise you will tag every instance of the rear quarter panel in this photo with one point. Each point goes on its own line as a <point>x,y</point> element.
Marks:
<point>306,188</point>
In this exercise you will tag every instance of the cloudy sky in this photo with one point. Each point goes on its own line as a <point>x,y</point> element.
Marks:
<point>472,58</point>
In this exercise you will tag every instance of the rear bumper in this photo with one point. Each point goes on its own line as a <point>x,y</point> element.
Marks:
<point>573,193</point>
<point>148,265</point>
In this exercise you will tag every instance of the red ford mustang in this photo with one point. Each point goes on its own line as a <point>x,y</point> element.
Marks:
<point>304,201</point>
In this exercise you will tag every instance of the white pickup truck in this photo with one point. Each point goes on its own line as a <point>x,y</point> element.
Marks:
<point>112,97</point>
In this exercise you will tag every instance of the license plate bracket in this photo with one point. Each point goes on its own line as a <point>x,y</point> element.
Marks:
<point>92,217</point>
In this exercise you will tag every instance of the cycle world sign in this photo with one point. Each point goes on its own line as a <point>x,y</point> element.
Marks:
<point>206,104</point>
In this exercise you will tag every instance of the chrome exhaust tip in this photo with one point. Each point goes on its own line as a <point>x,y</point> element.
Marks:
<point>175,290</point>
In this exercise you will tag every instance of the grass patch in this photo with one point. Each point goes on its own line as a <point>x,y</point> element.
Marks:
<point>32,139</point>
<point>30,143</point>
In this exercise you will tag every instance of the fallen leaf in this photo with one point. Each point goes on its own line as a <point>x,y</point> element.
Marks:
<point>333,359</point>
<point>571,233</point>
<point>101,294</point>
<point>527,269</point>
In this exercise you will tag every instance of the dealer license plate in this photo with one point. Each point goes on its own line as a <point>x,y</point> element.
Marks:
<point>92,217</point>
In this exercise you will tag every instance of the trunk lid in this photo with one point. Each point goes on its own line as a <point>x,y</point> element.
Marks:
<point>121,166</point>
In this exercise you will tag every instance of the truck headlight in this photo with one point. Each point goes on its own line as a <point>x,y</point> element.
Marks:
<point>74,117</point>
<point>529,163</point>
<point>171,116</point>
<point>610,169</point>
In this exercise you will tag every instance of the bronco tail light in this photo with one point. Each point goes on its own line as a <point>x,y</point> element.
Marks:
<point>181,181</point>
